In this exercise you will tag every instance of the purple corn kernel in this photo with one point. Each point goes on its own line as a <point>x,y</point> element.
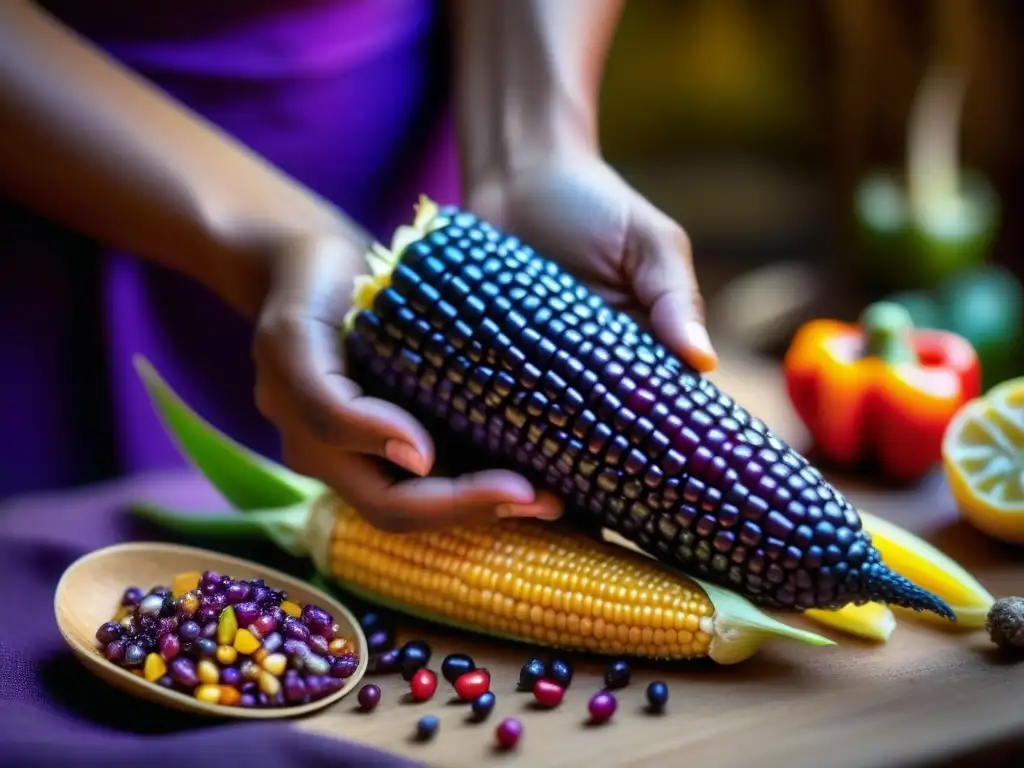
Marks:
<point>319,645</point>
<point>248,701</point>
<point>317,619</point>
<point>386,663</point>
<point>183,672</point>
<point>209,579</point>
<point>237,592</point>
<point>188,631</point>
<point>209,630</point>
<point>134,655</point>
<point>230,676</point>
<point>206,646</point>
<point>165,682</point>
<point>315,686</point>
<point>295,629</point>
<point>169,647</point>
<point>115,650</point>
<point>108,633</point>
<point>294,689</point>
<point>264,625</point>
<point>207,613</point>
<point>380,640</point>
<point>132,596</point>
<point>344,666</point>
<point>246,613</point>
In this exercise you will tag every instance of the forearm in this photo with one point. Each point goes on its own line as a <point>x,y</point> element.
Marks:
<point>528,76</point>
<point>88,143</point>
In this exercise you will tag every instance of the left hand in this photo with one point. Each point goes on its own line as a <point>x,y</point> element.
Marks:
<point>578,211</point>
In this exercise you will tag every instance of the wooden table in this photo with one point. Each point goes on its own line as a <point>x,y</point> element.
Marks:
<point>926,697</point>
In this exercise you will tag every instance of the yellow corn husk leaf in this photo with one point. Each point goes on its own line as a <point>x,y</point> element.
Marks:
<point>871,621</point>
<point>931,569</point>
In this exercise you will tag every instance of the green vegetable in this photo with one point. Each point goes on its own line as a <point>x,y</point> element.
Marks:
<point>903,246</point>
<point>986,307</point>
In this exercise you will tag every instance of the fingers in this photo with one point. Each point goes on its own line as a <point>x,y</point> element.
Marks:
<point>301,364</point>
<point>421,503</point>
<point>658,258</point>
<point>298,353</point>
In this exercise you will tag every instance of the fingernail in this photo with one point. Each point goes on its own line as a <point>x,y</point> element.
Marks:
<point>702,354</point>
<point>539,511</point>
<point>405,456</point>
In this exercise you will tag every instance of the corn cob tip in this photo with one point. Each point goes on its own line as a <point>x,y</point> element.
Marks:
<point>882,584</point>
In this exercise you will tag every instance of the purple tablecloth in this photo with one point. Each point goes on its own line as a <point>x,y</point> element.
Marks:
<point>52,711</point>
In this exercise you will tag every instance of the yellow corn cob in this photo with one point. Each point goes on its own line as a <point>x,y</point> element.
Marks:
<point>543,584</point>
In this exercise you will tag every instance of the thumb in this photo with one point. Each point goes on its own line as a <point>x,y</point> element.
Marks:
<point>660,264</point>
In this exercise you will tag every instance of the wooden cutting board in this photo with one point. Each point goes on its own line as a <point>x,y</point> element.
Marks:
<point>928,695</point>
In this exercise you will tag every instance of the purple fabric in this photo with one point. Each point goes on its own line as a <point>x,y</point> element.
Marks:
<point>53,712</point>
<point>348,96</point>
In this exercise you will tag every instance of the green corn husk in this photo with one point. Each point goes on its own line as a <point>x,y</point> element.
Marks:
<point>297,513</point>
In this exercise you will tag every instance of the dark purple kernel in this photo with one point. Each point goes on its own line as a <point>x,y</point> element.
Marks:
<point>706,525</point>
<point>777,525</point>
<point>115,650</point>
<point>188,631</point>
<point>246,613</point>
<point>132,596</point>
<point>724,541</point>
<point>230,676</point>
<point>824,532</point>
<point>108,633</point>
<point>750,534</point>
<point>183,672</point>
<point>754,508</point>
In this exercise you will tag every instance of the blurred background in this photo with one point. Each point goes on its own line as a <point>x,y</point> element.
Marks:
<point>764,128</point>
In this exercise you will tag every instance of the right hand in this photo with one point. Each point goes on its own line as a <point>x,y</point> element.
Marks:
<point>331,431</point>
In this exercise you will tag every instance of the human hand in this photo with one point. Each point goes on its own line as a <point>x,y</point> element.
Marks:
<point>577,210</point>
<point>333,432</point>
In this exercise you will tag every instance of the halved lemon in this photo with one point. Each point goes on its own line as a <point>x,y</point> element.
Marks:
<point>983,457</point>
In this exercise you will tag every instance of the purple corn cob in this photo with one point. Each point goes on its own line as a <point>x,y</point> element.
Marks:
<point>500,351</point>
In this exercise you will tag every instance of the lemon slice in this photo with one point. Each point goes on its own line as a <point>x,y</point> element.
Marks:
<point>983,457</point>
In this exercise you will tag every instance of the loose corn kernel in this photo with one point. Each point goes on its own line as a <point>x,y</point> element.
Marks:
<point>532,581</point>
<point>189,603</point>
<point>208,693</point>
<point>249,670</point>
<point>275,663</point>
<point>246,642</point>
<point>185,582</point>
<point>292,609</point>
<point>269,684</point>
<point>227,626</point>
<point>229,696</point>
<point>207,672</point>
<point>226,654</point>
<point>155,668</point>
<point>339,647</point>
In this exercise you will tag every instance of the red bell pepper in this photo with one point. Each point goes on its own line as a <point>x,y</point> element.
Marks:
<point>880,390</point>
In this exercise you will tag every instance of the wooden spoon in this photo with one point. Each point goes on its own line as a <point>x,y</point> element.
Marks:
<point>90,592</point>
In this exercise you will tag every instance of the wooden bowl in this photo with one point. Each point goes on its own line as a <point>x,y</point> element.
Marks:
<point>90,590</point>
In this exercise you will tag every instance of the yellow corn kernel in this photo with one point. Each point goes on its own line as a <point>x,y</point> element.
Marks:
<point>260,655</point>
<point>539,582</point>
<point>249,670</point>
<point>229,696</point>
<point>275,664</point>
<point>226,654</point>
<point>208,693</point>
<point>207,672</point>
<point>154,668</point>
<point>185,582</point>
<point>292,609</point>
<point>269,684</point>
<point>246,642</point>
<point>189,603</point>
<point>339,647</point>
<point>227,626</point>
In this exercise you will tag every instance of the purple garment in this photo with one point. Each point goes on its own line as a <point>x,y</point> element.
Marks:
<point>55,713</point>
<point>347,96</point>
